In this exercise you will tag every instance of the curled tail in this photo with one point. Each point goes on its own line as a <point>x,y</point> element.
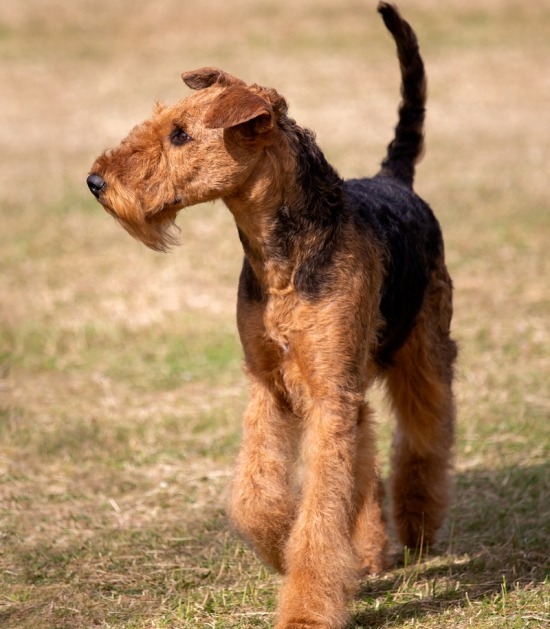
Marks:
<point>407,146</point>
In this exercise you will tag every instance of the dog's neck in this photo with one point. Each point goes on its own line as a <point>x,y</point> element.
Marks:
<point>289,211</point>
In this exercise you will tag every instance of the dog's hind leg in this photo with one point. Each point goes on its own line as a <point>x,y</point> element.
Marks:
<point>419,384</point>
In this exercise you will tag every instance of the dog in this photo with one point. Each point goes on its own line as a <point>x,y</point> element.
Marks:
<point>343,283</point>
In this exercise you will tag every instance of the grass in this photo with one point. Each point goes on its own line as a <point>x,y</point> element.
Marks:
<point>121,389</point>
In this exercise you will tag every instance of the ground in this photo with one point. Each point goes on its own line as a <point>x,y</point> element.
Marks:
<point>121,388</point>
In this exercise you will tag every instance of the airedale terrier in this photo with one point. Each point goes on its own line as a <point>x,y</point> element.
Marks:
<point>343,282</point>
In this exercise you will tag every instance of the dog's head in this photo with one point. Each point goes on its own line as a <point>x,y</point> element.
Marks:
<point>204,147</point>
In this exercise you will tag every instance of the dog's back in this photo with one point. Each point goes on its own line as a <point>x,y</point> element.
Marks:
<point>388,212</point>
<point>386,209</point>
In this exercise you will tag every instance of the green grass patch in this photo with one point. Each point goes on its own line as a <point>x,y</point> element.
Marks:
<point>150,358</point>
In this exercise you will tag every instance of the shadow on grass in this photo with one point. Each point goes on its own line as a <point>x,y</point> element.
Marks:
<point>499,542</point>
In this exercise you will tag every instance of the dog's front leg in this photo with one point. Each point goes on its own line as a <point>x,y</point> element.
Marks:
<point>320,561</point>
<point>262,503</point>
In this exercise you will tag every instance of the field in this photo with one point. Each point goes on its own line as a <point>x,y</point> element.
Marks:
<point>121,387</point>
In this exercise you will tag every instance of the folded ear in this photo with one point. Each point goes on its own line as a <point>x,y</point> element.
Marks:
<point>205,77</point>
<point>238,107</point>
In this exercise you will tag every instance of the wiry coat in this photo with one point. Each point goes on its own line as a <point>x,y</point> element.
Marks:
<point>342,282</point>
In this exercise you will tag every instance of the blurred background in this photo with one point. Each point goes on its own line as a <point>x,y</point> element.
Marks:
<point>121,387</point>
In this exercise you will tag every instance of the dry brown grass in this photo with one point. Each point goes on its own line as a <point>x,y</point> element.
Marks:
<point>121,391</point>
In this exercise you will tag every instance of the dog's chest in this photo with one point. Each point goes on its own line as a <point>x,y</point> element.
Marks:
<point>284,322</point>
<point>281,319</point>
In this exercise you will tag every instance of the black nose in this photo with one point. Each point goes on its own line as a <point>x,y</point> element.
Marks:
<point>96,184</point>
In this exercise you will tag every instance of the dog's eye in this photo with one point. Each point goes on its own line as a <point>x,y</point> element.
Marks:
<point>178,137</point>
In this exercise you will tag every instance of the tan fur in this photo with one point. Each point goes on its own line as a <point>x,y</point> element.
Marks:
<point>307,492</point>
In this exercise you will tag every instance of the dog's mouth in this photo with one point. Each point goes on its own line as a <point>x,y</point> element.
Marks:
<point>166,212</point>
<point>154,226</point>
<point>173,206</point>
